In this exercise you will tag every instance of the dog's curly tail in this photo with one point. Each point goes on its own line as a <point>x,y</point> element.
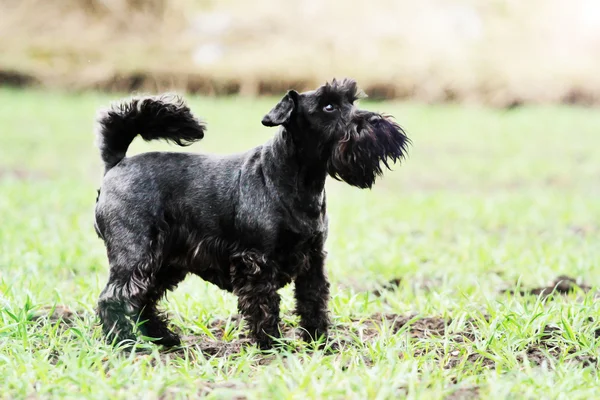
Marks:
<point>163,117</point>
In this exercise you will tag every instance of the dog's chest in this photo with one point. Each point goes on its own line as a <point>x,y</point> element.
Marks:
<point>288,265</point>
<point>294,247</point>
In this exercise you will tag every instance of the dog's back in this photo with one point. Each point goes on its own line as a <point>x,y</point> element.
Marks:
<point>140,190</point>
<point>157,185</point>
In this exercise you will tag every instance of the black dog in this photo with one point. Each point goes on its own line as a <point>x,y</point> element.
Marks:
<point>249,223</point>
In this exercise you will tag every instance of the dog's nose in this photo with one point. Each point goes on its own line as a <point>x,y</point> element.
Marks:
<point>374,118</point>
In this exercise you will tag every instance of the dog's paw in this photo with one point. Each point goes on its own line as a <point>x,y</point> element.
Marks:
<point>121,340</point>
<point>330,347</point>
<point>265,344</point>
<point>168,340</point>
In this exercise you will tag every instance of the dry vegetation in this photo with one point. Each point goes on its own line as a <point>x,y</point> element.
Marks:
<point>500,52</point>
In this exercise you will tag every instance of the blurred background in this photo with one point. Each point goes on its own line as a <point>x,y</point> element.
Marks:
<point>500,190</point>
<point>496,52</point>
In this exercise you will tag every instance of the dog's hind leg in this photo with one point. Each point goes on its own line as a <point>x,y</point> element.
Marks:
<point>131,283</point>
<point>121,299</point>
<point>154,323</point>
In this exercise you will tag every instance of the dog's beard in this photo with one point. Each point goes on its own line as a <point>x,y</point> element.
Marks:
<point>358,156</point>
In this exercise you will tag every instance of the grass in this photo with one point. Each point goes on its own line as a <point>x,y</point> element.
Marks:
<point>488,200</point>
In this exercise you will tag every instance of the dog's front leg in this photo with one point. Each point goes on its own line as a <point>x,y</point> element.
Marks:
<point>312,295</point>
<point>258,301</point>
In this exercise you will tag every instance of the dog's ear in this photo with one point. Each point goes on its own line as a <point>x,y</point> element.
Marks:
<point>282,111</point>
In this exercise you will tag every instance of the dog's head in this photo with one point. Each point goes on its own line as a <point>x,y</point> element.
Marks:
<point>326,124</point>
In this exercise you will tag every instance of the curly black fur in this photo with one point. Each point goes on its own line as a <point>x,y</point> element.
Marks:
<point>248,223</point>
<point>162,117</point>
<point>357,157</point>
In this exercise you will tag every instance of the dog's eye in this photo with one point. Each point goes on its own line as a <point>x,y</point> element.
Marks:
<point>329,108</point>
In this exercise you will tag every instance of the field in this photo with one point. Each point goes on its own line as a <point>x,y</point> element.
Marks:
<point>497,52</point>
<point>434,271</point>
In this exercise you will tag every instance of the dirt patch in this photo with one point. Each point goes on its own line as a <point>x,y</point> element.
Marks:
<point>464,394</point>
<point>584,360</point>
<point>550,349</point>
<point>457,353</point>
<point>16,79</point>
<point>230,390</point>
<point>584,230</point>
<point>389,286</point>
<point>56,315</point>
<point>214,345</point>
<point>550,333</point>
<point>212,387</point>
<point>344,334</point>
<point>424,328</point>
<point>213,348</point>
<point>455,359</point>
<point>417,327</point>
<point>416,284</point>
<point>421,327</point>
<point>538,355</point>
<point>562,285</point>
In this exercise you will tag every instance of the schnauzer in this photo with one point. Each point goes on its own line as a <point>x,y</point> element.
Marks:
<point>249,223</point>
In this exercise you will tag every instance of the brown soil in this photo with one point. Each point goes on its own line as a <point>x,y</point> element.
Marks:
<point>366,328</point>
<point>229,390</point>
<point>562,285</point>
<point>210,387</point>
<point>57,314</point>
<point>393,284</point>
<point>548,349</point>
<point>16,79</point>
<point>417,327</point>
<point>541,354</point>
<point>390,286</point>
<point>584,230</point>
<point>464,394</point>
